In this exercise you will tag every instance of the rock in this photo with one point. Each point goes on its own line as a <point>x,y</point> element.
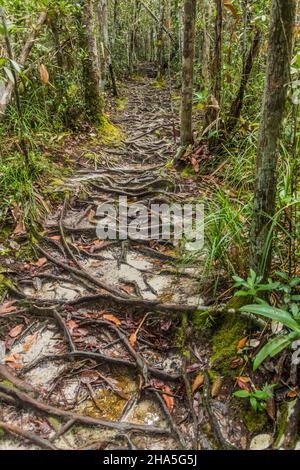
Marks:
<point>261,442</point>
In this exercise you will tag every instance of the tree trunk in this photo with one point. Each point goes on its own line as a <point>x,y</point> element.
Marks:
<point>132,37</point>
<point>279,58</point>
<point>186,133</point>
<point>160,42</point>
<point>206,43</point>
<point>103,23</point>
<point>237,104</point>
<point>216,70</point>
<point>90,63</point>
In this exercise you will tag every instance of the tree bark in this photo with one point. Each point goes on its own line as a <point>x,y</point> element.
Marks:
<point>103,22</point>
<point>160,42</point>
<point>216,69</point>
<point>278,68</point>
<point>237,104</point>
<point>90,63</point>
<point>186,134</point>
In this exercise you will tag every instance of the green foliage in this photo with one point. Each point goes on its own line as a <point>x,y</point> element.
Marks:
<point>288,315</point>
<point>257,397</point>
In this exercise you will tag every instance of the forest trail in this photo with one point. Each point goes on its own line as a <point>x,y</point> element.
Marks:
<point>91,325</point>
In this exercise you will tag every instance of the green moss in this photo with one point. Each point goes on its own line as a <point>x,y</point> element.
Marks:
<point>225,342</point>
<point>284,416</point>
<point>109,134</point>
<point>182,331</point>
<point>121,103</point>
<point>254,421</point>
<point>2,433</point>
<point>188,171</point>
<point>202,320</point>
<point>160,83</point>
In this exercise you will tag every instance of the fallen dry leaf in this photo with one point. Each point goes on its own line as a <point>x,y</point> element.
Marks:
<point>292,394</point>
<point>89,376</point>
<point>20,228</point>
<point>13,361</point>
<point>244,383</point>
<point>7,307</point>
<point>216,386</point>
<point>14,332</point>
<point>28,345</point>
<point>199,380</point>
<point>112,319</point>
<point>41,262</point>
<point>133,339</point>
<point>72,325</point>
<point>168,400</point>
<point>242,343</point>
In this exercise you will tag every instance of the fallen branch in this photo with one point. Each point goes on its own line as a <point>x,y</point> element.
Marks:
<point>25,400</point>
<point>39,441</point>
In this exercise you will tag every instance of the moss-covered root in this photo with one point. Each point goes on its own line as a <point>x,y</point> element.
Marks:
<point>287,435</point>
<point>225,342</point>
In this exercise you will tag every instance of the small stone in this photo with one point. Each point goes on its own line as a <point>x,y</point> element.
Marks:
<point>261,442</point>
<point>253,343</point>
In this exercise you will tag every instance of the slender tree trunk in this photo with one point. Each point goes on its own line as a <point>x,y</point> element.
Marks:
<point>186,134</point>
<point>206,43</point>
<point>279,58</point>
<point>103,23</point>
<point>132,37</point>
<point>90,63</point>
<point>237,104</point>
<point>160,41</point>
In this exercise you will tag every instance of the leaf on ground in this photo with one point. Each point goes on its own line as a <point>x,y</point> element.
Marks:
<point>14,332</point>
<point>29,343</point>
<point>14,361</point>
<point>128,289</point>
<point>89,376</point>
<point>20,228</point>
<point>199,380</point>
<point>168,400</point>
<point>72,325</point>
<point>244,383</point>
<point>80,332</point>
<point>112,319</point>
<point>216,386</point>
<point>133,339</point>
<point>236,362</point>
<point>242,343</point>
<point>41,262</point>
<point>292,394</point>
<point>55,238</point>
<point>7,307</point>
<point>91,216</point>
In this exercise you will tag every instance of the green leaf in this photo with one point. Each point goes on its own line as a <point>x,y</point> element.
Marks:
<point>9,74</point>
<point>273,313</point>
<point>15,65</point>
<point>242,394</point>
<point>273,347</point>
<point>254,403</point>
<point>295,281</point>
<point>263,395</point>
